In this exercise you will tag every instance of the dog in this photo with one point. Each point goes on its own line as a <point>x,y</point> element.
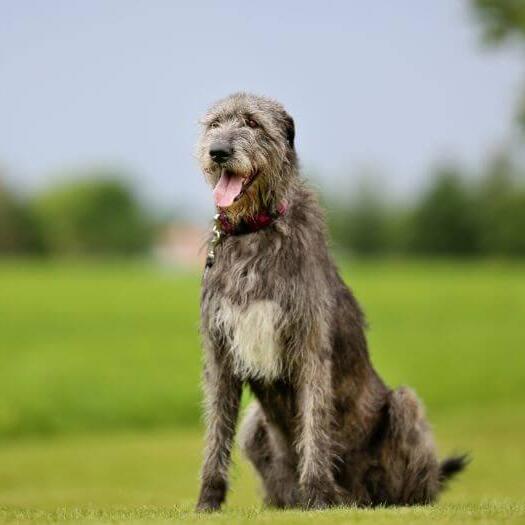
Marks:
<point>324,429</point>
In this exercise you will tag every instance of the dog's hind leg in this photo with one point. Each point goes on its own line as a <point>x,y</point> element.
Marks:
<point>407,455</point>
<point>266,450</point>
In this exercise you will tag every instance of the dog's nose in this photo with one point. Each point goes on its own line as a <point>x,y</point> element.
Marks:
<point>220,151</point>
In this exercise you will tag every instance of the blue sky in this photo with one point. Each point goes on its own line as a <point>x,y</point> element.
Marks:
<point>393,85</point>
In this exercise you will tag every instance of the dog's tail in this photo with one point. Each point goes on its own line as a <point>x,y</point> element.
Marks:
<point>452,466</point>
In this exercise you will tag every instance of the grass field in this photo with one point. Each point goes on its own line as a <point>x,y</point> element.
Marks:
<point>99,389</point>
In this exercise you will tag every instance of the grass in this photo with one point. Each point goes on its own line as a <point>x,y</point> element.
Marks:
<point>99,389</point>
<point>110,346</point>
<point>86,347</point>
<point>152,477</point>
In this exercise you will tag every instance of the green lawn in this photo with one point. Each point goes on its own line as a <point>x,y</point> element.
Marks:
<point>153,477</point>
<point>99,389</point>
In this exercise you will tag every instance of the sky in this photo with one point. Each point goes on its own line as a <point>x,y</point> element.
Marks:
<point>392,86</point>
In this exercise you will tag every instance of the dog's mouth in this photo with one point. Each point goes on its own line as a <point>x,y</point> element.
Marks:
<point>231,187</point>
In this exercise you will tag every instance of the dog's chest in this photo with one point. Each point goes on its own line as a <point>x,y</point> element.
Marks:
<point>253,335</point>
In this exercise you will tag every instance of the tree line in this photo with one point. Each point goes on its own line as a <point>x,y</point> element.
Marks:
<point>97,214</point>
<point>455,215</point>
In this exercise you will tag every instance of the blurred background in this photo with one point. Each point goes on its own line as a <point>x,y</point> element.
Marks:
<point>410,120</point>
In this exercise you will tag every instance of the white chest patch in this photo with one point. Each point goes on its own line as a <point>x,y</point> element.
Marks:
<point>253,334</point>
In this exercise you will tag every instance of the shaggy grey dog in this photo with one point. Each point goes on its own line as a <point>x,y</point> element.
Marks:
<point>275,315</point>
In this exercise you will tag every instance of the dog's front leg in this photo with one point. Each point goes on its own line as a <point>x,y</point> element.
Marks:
<point>316,450</point>
<point>223,394</point>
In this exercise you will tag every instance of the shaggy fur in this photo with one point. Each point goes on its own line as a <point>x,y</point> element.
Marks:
<point>275,315</point>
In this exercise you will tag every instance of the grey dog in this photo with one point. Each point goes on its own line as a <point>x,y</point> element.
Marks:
<point>275,315</point>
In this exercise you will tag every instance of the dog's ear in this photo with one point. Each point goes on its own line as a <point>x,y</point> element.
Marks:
<point>290,129</point>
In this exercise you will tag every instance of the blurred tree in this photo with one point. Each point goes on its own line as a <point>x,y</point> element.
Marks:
<point>506,235</point>
<point>19,231</point>
<point>361,223</point>
<point>501,207</point>
<point>503,21</point>
<point>97,215</point>
<point>502,198</point>
<point>444,221</point>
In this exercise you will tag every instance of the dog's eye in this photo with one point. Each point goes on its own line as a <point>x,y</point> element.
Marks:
<point>214,124</point>
<point>252,123</point>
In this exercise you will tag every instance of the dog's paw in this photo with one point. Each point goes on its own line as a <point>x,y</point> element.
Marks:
<point>319,496</point>
<point>208,506</point>
<point>212,496</point>
<point>317,502</point>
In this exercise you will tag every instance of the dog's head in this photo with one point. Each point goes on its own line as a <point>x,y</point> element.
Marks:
<point>246,152</point>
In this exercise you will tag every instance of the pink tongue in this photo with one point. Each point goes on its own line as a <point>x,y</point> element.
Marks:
<point>228,187</point>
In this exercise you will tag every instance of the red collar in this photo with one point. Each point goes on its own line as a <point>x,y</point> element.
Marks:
<point>251,224</point>
<point>224,227</point>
